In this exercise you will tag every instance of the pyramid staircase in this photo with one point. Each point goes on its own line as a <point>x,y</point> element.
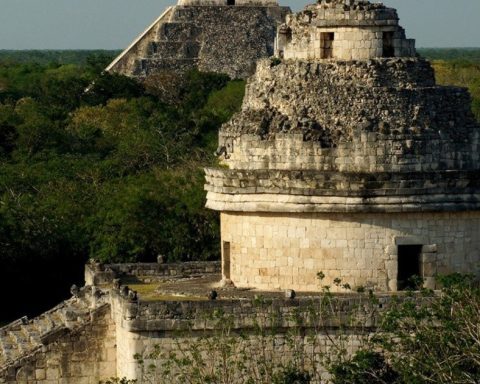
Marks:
<point>24,337</point>
<point>174,44</point>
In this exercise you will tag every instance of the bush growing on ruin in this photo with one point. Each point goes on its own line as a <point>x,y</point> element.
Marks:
<point>431,338</point>
<point>265,353</point>
<point>423,337</point>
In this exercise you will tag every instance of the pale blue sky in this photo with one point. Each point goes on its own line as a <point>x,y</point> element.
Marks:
<point>112,24</point>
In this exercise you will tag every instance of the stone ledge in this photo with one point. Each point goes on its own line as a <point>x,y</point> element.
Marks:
<point>303,185</point>
<point>326,204</point>
<point>99,274</point>
<point>191,316</point>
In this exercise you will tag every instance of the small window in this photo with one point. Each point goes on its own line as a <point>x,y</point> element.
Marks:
<point>230,2</point>
<point>326,45</point>
<point>409,266</point>
<point>226,260</point>
<point>388,48</point>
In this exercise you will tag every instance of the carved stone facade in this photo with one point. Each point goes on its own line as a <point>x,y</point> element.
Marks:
<point>349,167</point>
<point>223,36</point>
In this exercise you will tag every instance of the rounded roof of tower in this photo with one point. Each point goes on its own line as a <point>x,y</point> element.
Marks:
<point>335,135</point>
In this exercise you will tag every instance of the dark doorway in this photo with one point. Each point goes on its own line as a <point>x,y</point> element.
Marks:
<point>226,260</point>
<point>409,260</point>
<point>230,2</point>
<point>289,35</point>
<point>388,48</point>
<point>326,45</point>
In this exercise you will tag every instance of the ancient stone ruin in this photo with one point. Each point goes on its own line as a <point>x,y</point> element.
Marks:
<point>96,334</point>
<point>223,36</point>
<point>348,159</point>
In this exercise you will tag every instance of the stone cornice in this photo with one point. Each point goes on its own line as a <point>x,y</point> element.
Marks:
<point>310,191</point>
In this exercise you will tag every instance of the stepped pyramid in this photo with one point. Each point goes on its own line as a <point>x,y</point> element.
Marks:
<point>214,36</point>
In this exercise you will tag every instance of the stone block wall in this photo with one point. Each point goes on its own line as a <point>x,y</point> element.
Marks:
<point>277,350</point>
<point>286,251</point>
<point>357,32</point>
<point>349,43</point>
<point>100,274</point>
<point>171,326</point>
<point>84,355</point>
<point>373,152</point>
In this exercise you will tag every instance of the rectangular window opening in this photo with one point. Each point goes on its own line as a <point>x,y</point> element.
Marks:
<point>230,2</point>
<point>326,45</point>
<point>409,266</point>
<point>226,260</point>
<point>388,48</point>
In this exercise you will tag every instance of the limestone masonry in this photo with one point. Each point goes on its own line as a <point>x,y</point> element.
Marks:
<point>347,158</point>
<point>96,334</point>
<point>224,36</point>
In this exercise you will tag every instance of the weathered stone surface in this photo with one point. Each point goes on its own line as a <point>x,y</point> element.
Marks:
<point>208,35</point>
<point>343,30</point>
<point>73,342</point>
<point>333,161</point>
<point>286,250</point>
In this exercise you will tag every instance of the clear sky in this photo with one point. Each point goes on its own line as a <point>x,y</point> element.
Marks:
<point>112,24</point>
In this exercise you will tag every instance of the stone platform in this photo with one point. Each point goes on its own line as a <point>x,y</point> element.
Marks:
<point>129,310</point>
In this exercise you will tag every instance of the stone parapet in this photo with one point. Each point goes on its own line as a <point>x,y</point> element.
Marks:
<point>101,274</point>
<point>197,315</point>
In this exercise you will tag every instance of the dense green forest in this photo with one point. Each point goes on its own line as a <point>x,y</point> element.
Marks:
<point>45,57</point>
<point>449,54</point>
<point>98,165</point>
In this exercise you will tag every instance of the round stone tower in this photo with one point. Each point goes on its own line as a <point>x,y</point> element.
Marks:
<point>347,159</point>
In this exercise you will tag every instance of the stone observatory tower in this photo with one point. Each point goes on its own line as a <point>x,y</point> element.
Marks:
<point>224,36</point>
<point>347,159</point>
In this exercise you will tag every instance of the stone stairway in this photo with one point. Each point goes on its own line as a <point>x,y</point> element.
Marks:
<point>176,46</point>
<point>209,37</point>
<point>24,336</point>
<point>128,59</point>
